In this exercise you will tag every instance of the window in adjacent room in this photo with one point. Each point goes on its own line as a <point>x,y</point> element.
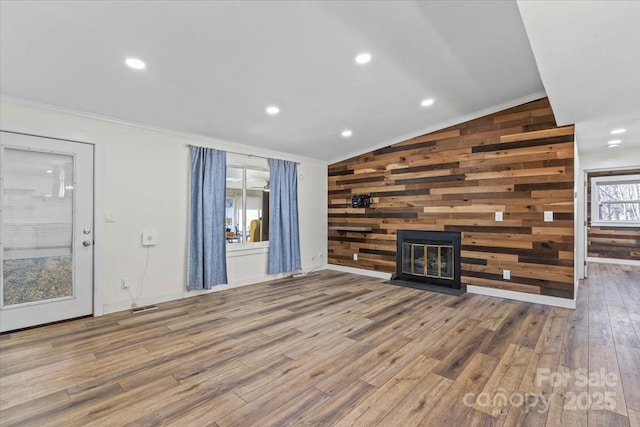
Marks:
<point>615,201</point>
<point>247,204</point>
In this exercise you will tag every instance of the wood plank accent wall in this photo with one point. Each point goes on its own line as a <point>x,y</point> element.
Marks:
<point>611,242</point>
<point>516,161</point>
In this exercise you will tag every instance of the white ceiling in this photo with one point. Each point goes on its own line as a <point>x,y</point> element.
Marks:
<point>588,54</point>
<point>213,67</point>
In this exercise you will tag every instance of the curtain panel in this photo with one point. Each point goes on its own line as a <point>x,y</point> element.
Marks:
<point>284,234</point>
<point>207,238</point>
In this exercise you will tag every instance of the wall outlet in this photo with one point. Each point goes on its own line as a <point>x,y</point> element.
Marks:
<point>499,216</point>
<point>506,274</point>
<point>124,283</point>
<point>355,256</point>
<point>149,238</point>
<point>548,216</point>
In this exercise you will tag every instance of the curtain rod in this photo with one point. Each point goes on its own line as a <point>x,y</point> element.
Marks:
<point>235,152</point>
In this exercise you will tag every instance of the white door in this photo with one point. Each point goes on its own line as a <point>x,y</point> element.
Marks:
<point>46,233</point>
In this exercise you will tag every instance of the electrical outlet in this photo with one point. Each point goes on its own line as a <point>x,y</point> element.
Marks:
<point>149,238</point>
<point>506,274</point>
<point>548,216</point>
<point>499,216</point>
<point>124,283</point>
<point>355,256</point>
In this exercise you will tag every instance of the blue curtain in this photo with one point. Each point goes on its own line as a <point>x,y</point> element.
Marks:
<point>207,238</point>
<point>284,235</point>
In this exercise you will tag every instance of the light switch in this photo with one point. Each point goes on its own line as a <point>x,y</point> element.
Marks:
<point>498,216</point>
<point>506,274</point>
<point>109,217</point>
<point>548,216</point>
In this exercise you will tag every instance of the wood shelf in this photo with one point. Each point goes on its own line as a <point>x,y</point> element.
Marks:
<point>343,229</point>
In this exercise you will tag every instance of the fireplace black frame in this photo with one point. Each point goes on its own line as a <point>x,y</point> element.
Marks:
<point>451,238</point>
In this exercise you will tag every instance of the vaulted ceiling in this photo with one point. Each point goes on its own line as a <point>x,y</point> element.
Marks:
<point>588,54</point>
<point>212,68</point>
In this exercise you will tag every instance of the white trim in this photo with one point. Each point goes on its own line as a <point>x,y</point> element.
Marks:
<point>595,201</point>
<point>521,296</point>
<point>360,271</point>
<point>159,299</point>
<point>244,250</point>
<point>613,261</point>
<point>631,224</point>
<point>472,289</point>
<point>99,173</point>
<point>443,125</point>
<point>227,145</point>
<point>144,301</point>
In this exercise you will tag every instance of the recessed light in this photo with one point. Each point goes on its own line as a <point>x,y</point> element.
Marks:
<point>618,131</point>
<point>427,102</point>
<point>613,145</point>
<point>363,58</point>
<point>346,133</point>
<point>614,142</point>
<point>49,171</point>
<point>135,63</point>
<point>272,110</point>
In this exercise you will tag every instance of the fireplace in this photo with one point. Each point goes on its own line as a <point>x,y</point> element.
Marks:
<point>428,259</point>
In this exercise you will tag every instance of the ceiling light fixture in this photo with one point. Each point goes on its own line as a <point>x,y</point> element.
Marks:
<point>346,133</point>
<point>427,102</point>
<point>272,110</point>
<point>363,58</point>
<point>614,142</point>
<point>135,63</point>
<point>618,131</point>
<point>613,145</point>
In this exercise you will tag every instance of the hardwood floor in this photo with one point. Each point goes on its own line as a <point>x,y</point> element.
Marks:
<point>336,349</point>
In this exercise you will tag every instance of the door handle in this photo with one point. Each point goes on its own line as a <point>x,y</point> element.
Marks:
<point>86,243</point>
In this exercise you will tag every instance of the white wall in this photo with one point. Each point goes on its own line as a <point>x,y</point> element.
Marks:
<point>145,183</point>
<point>618,158</point>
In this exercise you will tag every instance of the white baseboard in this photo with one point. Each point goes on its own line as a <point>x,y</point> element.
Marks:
<point>522,296</point>
<point>360,271</point>
<point>140,302</point>
<point>158,299</point>
<point>480,290</point>
<point>614,261</point>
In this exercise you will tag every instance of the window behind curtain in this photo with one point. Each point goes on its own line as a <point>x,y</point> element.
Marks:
<point>247,204</point>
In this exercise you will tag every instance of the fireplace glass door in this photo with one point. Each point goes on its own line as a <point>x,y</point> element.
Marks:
<point>428,260</point>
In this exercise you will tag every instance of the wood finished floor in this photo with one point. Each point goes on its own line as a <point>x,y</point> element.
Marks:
<point>333,349</point>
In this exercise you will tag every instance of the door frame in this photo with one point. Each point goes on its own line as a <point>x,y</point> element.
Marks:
<point>98,209</point>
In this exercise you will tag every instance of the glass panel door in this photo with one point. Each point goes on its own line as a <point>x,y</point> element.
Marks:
<point>46,230</point>
<point>37,219</point>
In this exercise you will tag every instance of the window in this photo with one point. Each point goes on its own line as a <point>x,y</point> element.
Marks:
<point>247,204</point>
<point>615,201</point>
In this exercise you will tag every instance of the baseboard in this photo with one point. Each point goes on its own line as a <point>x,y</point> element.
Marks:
<point>360,271</point>
<point>614,261</point>
<point>158,299</point>
<point>522,296</point>
<point>140,302</point>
